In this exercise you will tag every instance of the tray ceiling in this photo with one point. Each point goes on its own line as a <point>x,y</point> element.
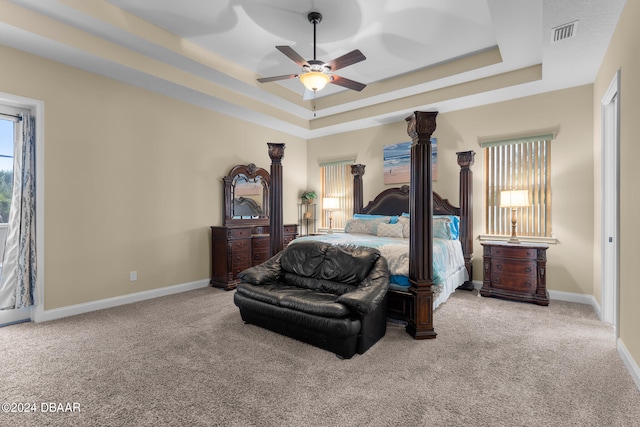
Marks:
<point>437,55</point>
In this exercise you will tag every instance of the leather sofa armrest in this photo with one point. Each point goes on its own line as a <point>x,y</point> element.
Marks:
<point>371,291</point>
<point>267,272</point>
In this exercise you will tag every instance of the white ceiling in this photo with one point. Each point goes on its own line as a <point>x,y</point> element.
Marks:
<point>438,55</point>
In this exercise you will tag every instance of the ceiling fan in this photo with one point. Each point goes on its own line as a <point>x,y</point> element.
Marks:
<point>316,74</point>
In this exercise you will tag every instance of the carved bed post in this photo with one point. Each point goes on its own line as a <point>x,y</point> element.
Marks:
<point>420,127</point>
<point>465,161</point>
<point>357,171</point>
<point>276,226</point>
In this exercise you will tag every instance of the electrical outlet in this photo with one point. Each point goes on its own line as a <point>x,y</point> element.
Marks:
<point>133,276</point>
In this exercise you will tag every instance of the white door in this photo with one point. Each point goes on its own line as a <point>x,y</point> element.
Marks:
<point>610,203</point>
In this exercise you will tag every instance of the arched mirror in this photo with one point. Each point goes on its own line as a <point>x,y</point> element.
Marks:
<point>246,195</point>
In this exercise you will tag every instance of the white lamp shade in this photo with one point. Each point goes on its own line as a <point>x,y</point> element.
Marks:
<point>514,199</point>
<point>314,80</point>
<point>330,203</point>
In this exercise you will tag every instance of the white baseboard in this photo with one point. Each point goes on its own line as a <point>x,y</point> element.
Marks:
<point>41,315</point>
<point>579,298</point>
<point>564,296</point>
<point>631,364</point>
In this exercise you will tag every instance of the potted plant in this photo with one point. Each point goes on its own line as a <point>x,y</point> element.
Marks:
<point>309,196</point>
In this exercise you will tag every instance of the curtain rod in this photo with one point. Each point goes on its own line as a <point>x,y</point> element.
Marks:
<point>15,116</point>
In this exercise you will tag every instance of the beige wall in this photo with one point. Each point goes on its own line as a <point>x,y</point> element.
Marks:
<point>623,55</point>
<point>133,180</point>
<point>566,113</point>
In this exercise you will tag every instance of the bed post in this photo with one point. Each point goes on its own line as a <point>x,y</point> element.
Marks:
<point>465,161</point>
<point>420,127</point>
<point>276,226</point>
<point>357,171</point>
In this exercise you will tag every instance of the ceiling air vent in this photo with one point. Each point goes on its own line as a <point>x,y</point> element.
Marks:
<point>565,31</point>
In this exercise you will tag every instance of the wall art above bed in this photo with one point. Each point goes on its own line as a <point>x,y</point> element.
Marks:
<point>397,161</point>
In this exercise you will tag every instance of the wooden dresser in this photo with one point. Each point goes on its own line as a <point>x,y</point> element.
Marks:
<point>515,271</point>
<point>235,248</point>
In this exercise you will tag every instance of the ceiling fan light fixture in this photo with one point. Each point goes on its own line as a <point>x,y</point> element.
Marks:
<point>314,80</point>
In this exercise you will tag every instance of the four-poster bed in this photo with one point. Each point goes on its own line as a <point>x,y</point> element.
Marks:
<point>415,304</point>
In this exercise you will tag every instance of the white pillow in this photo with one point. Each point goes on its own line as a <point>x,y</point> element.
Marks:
<point>406,230</point>
<point>364,226</point>
<point>390,230</point>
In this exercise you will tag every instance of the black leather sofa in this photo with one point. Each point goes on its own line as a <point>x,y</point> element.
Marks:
<point>333,297</point>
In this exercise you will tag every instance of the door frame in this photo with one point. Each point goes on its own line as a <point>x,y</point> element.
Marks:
<point>37,109</point>
<point>610,202</point>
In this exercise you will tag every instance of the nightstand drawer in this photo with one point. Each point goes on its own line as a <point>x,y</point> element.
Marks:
<point>291,229</point>
<point>502,266</point>
<point>514,282</point>
<point>519,252</point>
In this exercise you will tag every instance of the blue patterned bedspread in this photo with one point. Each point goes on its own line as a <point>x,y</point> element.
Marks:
<point>447,254</point>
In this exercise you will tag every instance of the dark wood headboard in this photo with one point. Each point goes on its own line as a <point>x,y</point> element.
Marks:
<point>395,201</point>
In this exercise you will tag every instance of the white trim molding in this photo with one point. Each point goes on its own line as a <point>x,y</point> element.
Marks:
<point>36,107</point>
<point>579,298</point>
<point>72,310</point>
<point>628,361</point>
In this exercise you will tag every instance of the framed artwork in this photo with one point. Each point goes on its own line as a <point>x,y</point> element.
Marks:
<point>397,162</point>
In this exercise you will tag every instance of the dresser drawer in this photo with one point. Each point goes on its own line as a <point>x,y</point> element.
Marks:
<point>238,246</point>
<point>239,233</point>
<point>237,268</point>
<point>260,243</point>
<point>260,257</point>
<point>506,252</point>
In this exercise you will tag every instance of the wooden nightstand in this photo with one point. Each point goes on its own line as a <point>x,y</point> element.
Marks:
<point>515,271</point>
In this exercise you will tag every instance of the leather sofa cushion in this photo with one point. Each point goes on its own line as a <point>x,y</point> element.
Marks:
<point>296,298</point>
<point>303,259</point>
<point>318,284</point>
<point>336,327</point>
<point>344,264</point>
<point>347,264</point>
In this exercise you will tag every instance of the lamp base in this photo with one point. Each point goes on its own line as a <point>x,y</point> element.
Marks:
<point>514,240</point>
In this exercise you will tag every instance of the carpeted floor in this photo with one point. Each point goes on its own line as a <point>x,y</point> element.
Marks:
<point>188,359</point>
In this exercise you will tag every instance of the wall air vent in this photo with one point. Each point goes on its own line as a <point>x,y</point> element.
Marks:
<point>563,32</point>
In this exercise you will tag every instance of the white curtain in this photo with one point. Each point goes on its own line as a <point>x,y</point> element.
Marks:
<point>18,278</point>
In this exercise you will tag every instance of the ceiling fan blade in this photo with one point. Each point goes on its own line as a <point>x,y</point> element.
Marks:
<point>276,78</point>
<point>293,55</point>
<point>347,59</point>
<point>349,84</point>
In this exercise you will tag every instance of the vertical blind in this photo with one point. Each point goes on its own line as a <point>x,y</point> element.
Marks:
<point>522,164</point>
<point>337,181</point>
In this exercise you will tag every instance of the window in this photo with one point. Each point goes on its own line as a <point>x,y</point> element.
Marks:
<point>337,181</point>
<point>522,164</point>
<point>6,166</point>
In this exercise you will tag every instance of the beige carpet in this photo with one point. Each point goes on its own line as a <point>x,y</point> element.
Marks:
<point>188,359</point>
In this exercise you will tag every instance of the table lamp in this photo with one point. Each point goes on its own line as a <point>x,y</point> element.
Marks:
<point>514,199</point>
<point>329,204</point>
